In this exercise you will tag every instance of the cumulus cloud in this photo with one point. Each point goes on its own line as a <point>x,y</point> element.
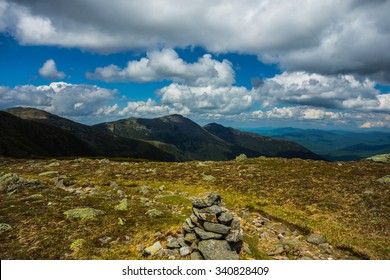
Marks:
<point>49,71</point>
<point>327,37</point>
<point>336,92</point>
<point>166,65</point>
<point>223,100</point>
<point>59,98</point>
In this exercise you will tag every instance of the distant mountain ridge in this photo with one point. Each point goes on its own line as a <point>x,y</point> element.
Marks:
<point>168,138</point>
<point>335,145</point>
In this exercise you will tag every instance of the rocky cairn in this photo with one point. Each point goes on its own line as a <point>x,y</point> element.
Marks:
<point>210,233</point>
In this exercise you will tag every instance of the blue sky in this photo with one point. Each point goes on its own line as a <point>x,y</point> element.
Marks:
<point>245,64</point>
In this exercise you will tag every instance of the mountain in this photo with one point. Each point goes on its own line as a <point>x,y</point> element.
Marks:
<point>176,133</point>
<point>335,144</point>
<point>211,142</point>
<point>254,143</point>
<point>24,138</point>
<point>101,142</point>
<point>168,138</point>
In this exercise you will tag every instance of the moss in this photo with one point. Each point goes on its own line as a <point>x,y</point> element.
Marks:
<point>122,206</point>
<point>83,213</point>
<point>77,244</point>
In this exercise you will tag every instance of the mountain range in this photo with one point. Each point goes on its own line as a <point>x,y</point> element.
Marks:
<point>334,145</point>
<point>29,132</point>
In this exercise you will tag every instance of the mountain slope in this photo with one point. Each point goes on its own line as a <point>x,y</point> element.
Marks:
<point>103,143</point>
<point>261,145</point>
<point>192,140</point>
<point>24,138</point>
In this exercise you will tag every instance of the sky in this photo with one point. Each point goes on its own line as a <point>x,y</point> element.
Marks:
<point>243,63</point>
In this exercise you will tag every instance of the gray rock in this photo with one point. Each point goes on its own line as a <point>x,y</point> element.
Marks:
<point>181,241</point>
<point>225,218</point>
<point>207,235</point>
<point>190,238</point>
<point>144,190</point>
<point>172,243</point>
<point>205,216</point>
<point>384,179</point>
<point>241,157</point>
<point>154,213</point>
<point>236,233</point>
<point>211,199</point>
<point>184,251</point>
<point>187,228</point>
<point>190,223</point>
<point>324,246</point>
<point>217,250</point>
<point>217,228</point>
<point>279,250</point>
<point>316,239</point>
<point>105,240</point>
<point>196,256</point>
<point>213,209</point>
<point>196,221</point>
<point>152,250</point>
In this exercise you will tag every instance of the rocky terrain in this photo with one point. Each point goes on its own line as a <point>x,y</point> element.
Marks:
<point>104,209</point>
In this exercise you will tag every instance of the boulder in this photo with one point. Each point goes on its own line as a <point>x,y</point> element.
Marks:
<point>83,213</point>
<point>217,250</point>
<point>316,239</point>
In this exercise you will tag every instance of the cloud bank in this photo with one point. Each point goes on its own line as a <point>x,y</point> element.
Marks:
<point>326,37</point>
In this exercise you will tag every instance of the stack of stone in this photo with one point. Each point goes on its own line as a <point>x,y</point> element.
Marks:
<point>212,232</point>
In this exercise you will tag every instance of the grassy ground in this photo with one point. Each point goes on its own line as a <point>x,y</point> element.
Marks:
<point>342,201</point>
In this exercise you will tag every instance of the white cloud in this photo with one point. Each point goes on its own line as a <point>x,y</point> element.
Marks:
<point>335,92</point>
<point>49,71</point>
<point>167,65</point>
<point>59,98</point>
<point>228,100</point>
<point>328,37</point>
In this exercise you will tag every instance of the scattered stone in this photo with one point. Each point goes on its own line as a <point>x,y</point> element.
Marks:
<point>152,250</point>
<point>225,218</point>
<point>184,251</point>
<point>120,193</point>
<point>190,237</point>
<point>154,213</point>
<point>121,221</point>
<point>217,228</point>
<point>305,258</point>
<point>113,184</point>
<point>105,240</point>
<point>144,190</point>
<point>172,243</point>
<point>195,256</point>
<point>384,179</point>
<point>324,246</point>
<point>59,182</point>
<point>54,164</point>
<point>83,213</point>
<point>207,235</point>
<point>278,250</point>
<point>11,183</point>
<point>122,206</point>
<point>104,161</point>
<point>5,227</point>
<point>208,177</point>
<point>128,238</point>
<point>241,157</point>
<point>161,188</point>
<point>217,250</point>
<point>37,196</point>
<point>316,239</point>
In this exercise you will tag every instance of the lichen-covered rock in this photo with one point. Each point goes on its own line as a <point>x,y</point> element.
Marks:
<point>241,157</point>
<point>316,239</point>
<point>207,235</point>
<point>190,237</point>
<point>122,206</point>
<point>172,243</point>
<point>154,213</point>
<point>184,251</point>
<point>211,199</point>
<point>225,218</point>
<point>83,213</point>
<point>217,228</point>
<point>11,183</point>
<point>236,233</point>
<point>217,250</point>
<point>152,250</point>
<point>384,179</point>
<point>195,256</point>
